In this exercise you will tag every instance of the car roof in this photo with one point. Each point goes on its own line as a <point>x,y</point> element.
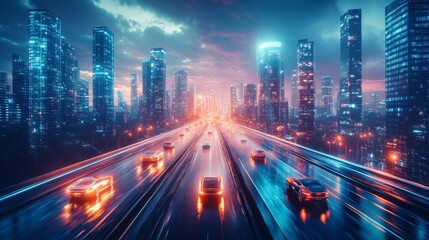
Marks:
<point>149,152</point>
<point>211,179</point>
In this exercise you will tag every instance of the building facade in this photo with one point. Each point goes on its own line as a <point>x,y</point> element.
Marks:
<point>306,91</point>
<point>154,87</point>
<point>45,88</point>
<point>134,108</point>
<point>326,103</point>
<point>20,86</point>
<point>271,88</point>
<point>180,101</point>
<point>350,96</point>
<point>102,65</point>
<point>232,101</point>
<point>407,89</point>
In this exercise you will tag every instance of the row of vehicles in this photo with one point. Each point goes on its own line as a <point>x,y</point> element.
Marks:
<point>304,189</point>
<point>90,188</point>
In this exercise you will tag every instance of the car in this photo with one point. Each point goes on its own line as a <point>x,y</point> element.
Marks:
<point>89,188</point>
<point>168,145</point>
<point>243,140</point>
<point>258,155</point>
<point>151,156</point>
<point>205,146</point>
<point>181,134</point>
<point>210,186</point>
<point>307,189</point>
<point>187,129</point>
<point>209,132</point>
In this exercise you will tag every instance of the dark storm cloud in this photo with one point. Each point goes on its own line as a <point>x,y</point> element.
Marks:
<point>215,41</point>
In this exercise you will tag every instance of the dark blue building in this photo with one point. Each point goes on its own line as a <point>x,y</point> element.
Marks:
<point>45,89</point>
<point>350,96</point>
<point>407,89</point>
<point>305,72</point>
<point>271,102</point>
<point>102,65</point>
<point>20,86</point>
<point>154,82</point>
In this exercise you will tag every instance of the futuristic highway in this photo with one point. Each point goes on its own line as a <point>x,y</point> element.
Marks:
<point>164,199</point>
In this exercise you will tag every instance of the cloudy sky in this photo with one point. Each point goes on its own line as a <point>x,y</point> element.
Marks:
<point>214,40</point>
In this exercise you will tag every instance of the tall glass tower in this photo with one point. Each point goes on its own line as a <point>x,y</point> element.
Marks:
<point>134,98</point>
<point>154,82</point>
<point>271,114</point>
<point>327,102</point>
<point>350,108</point>
<point>232,101</point>
<point>180,112</point>
<point>20,86</point>
<point>305,72</point>
<point>45,89</point>
<point>102,65</point>
<point>407,89</point>
<point>68,66</point>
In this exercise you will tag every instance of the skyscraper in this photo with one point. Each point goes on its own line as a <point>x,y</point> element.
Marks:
<point>407,89</point>
<point>134,98</point>
<point>305,72</point>
<point>145,88</point>
<point>68,65</point>
<point>82,101</point>
<point>45,89</point>
<point>240,93</point>
<point>271,87</point>
<point>373,103</point>
<point>294,94</point>
<point>250,102</point>
<point>232,101</point>
<point>350,108</point>
<point>154,81</point>
<point>102,65</point>
<point>20,86</point>
<point>191,100</point>
<point>180,107</point>
<point>327,101</point>
<point>3,97</point>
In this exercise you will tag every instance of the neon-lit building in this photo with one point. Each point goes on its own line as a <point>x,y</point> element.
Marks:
<point>350,96</point>
<point>134,109</point>
<point>180,101</point>
<point>102,65</point>
<point>306,91</point>
<point>20,86</point>
<point>45,89</point>
<point>407,89</point>
<point>154,87</point>
<point>326,103</point>
<point>271,102</point>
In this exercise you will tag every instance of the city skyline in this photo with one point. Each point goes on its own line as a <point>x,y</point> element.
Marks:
<point>215,47</point>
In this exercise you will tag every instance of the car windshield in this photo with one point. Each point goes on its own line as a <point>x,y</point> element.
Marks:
<point>83,182</point>
<point>149,153</point>
<point>260,152</point>
<point>312,184</point>
<point>167,143</point>
<point>211,183</point>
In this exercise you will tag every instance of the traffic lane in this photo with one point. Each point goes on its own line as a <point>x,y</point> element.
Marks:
<point>393,219</point>
<point>190,217</point>
<point>311,222</point>
<point>54,216</point>
<point>40,185</point>
<point>362,207</point>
